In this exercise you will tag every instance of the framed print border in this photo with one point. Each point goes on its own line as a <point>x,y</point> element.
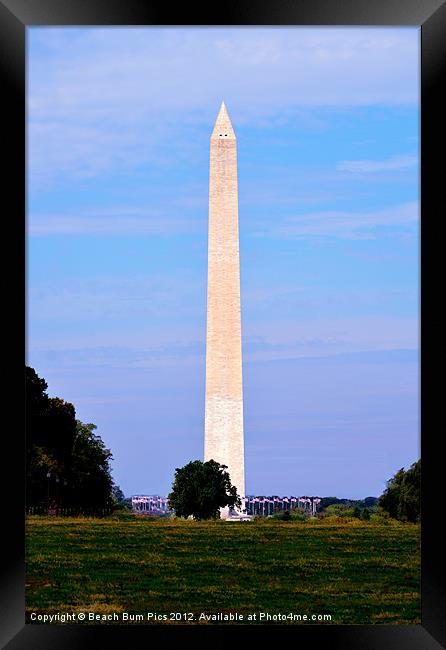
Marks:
<point>430,15</point>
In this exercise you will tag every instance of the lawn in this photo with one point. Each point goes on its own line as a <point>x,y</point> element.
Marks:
<point>354,571</point>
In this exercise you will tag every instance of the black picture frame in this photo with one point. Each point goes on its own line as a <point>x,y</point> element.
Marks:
<point>430,15</point>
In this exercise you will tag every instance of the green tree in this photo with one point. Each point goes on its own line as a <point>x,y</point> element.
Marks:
<point>36,397</point>
<point>409,508</point>
<point>118,493</point>
<point>339,510</point>
<point>284,515</point>
<point>200,489</point>
<point>357,512</point>
<point>89,478</point>
<point>50,431</point>
<point>401,499</point>
<point>51,422</point>
<point>65,461</point>
<point>390,499</point>
<point>328,501</point>
<point>38,461</point>
<point>119,500</point>
<point>365,514</point>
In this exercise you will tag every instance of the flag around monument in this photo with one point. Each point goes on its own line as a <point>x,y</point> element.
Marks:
<point>223,438</point>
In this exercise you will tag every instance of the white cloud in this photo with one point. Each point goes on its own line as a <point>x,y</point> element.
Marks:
<point>145,70</point>
<point>371,166</point>
<point>115,98</point>
<point>112,222</point>
<point>287,339</point>
<point>174,222</point>
<point>159,297</point>
<point>278,339</point>
<point>348,225</point>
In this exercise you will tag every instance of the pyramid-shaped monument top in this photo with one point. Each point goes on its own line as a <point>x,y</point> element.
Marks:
<point>223,128</point>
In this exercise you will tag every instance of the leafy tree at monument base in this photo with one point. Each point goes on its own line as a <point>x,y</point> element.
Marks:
<point>200,489</point>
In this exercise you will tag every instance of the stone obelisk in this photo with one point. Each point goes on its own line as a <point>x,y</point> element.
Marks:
<point>223,437</point>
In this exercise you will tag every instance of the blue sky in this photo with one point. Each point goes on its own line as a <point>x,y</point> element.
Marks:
<point>119,121</point>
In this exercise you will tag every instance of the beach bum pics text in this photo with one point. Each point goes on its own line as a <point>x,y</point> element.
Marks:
<point>187,617</point>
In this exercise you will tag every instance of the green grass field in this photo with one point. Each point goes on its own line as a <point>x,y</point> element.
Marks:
<point>357,572</point>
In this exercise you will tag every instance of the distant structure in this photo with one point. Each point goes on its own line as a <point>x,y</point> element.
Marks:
<point>265,506</point>
<point>223,437</point>
<point>150,504</point>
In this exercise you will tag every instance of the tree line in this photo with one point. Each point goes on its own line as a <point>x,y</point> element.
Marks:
<point>68,469</point>
<point>201,489</point>
<point>67,463</point>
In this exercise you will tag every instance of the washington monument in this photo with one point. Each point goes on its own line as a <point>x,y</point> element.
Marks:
<point>223,437</point>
